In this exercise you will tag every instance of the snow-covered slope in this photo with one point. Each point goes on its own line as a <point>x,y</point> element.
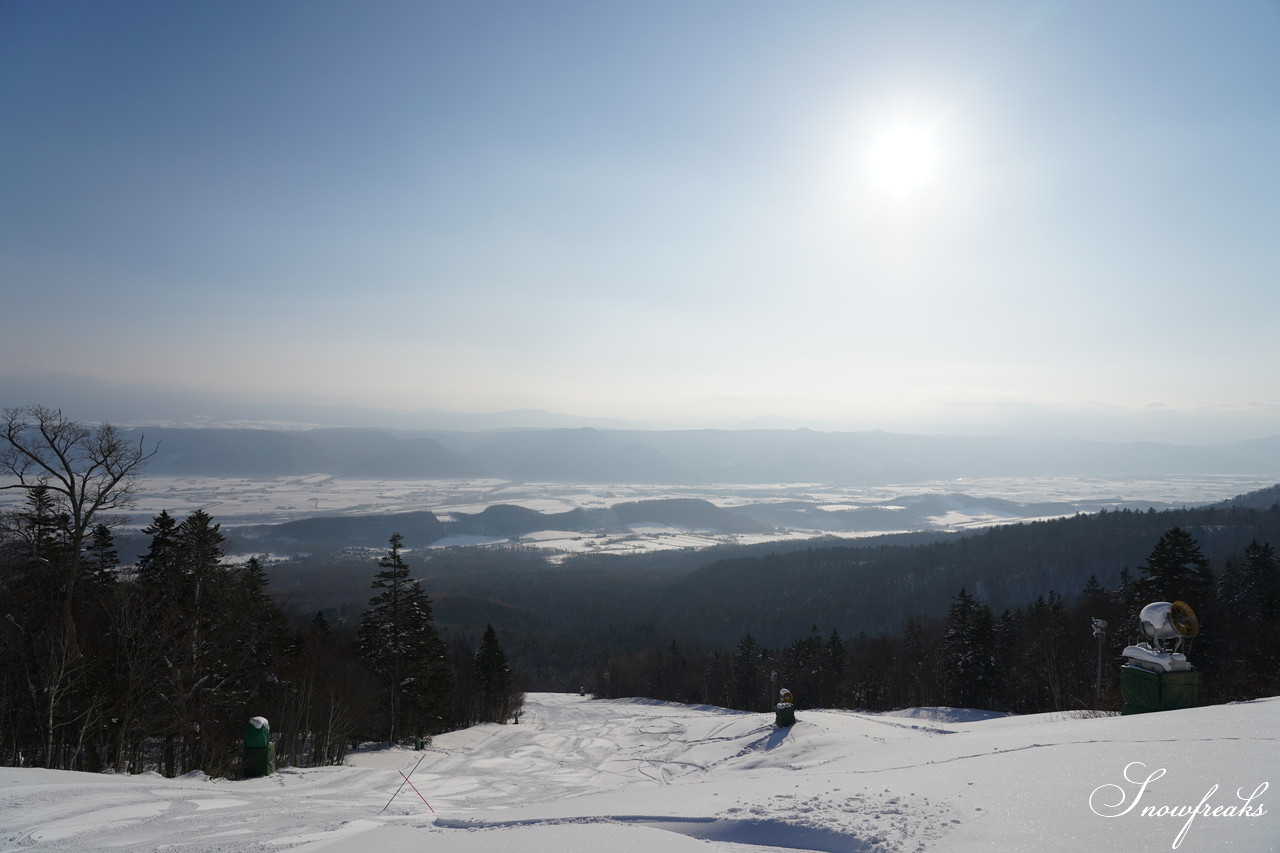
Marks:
<point>632,775</point>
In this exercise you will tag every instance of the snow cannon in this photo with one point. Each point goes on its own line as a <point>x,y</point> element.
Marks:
<point>784,713</point>
<point>1156,675</point>
<point>1162,621</point>
<point>259,751</point>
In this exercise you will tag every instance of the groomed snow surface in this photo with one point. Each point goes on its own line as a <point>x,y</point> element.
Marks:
<point>584,776</point>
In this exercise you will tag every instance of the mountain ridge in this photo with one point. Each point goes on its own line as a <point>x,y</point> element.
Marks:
<point>593,455</point>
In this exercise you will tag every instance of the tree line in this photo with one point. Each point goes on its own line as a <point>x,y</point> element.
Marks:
<point>1043,656</point>
<point>560,621</point>
<point>158,664</point>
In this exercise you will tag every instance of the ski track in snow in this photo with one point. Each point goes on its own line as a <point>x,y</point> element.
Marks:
<point>631,775</point>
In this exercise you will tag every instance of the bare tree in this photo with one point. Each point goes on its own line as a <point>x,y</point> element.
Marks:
<point>92,470</point>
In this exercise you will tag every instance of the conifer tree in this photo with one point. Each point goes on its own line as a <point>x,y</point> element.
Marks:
<point>101,557</point>
<point>920,653</point>
<point>1094,595</point>
<point>970,650</point>
<point>832,674</point>
<point>1261,568</point>
<point>1176,570</point>
<point>43,526</point>
<point>801,669</point>
<point>218,633</point>
<point>201,545</point>
<point>399,643</point>
<point>1043,665</point>
<point>495,681</point>
<point>163,531</point>
<point>747,675</point>
<point>264,634</point>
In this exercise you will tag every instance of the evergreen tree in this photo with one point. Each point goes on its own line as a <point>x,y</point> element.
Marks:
<point>970,652</point>
<point>747,676</point>
<point>801,669</point>
<point>218,633</point>
<point>399,642</point>
<point>1245,648</point>
<point>920,652</point>
<point>1094,596</point>
<point>159,558</point>
<point>717,680</point>
<point>495,682</point>
<point>44,528</point>
<point>264,637</point>
<point>1007,647</point>
<point>833,658</point>
<point>49,666</point>
<point>205,628</point>
<point>1176,570</point>
<point>201,545</point>
<point>38,542</point>
<point>1127,600</point>
<point>1259,581</point>
<point>1043,664</point>
<point>101,557</point>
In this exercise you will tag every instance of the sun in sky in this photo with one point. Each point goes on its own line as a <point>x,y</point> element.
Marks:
<point>902,158</point>
<point>641,166</point>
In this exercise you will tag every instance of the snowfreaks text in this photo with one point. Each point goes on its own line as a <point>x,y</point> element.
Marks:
<point>1100,805</point>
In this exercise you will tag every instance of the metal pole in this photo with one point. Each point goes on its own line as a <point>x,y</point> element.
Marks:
<point>416,791</point>
<point>1097,695</point>
<point>401,788</point>
<point>1099,631</point>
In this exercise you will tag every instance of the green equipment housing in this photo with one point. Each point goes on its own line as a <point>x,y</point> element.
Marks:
<point>1145,691</point>
<point>259,751</point>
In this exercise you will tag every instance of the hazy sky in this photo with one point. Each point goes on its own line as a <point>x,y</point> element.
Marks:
<point>886,214</point>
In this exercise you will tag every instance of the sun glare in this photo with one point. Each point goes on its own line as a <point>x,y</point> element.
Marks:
<point>902,158</point>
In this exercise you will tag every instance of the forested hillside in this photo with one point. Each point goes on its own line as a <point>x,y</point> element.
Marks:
<point>862,625</point>
<point>874,589</point>
<point>776,593</point>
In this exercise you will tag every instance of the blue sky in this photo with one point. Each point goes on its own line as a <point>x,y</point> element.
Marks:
<point>664,212</point>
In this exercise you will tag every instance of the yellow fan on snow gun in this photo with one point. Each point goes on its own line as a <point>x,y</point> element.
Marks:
<point>1164,623</point>
<point>1183,619</point>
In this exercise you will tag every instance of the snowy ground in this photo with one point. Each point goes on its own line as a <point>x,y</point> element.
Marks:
<point>265,500</point>
<point>625,776</point>
<point>235,501</point>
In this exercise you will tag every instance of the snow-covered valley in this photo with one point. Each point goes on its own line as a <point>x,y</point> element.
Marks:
<point>578,775</point>
<point>773,512</point>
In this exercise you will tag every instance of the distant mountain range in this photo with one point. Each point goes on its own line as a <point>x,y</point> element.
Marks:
<point>589,455</point>
<point>131,404</point>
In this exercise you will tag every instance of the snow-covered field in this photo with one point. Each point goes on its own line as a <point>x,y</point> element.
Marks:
<point>235,501</point>
<point>583,776</point>
<point>267,500</point>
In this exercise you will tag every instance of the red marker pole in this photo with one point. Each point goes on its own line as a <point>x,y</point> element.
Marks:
<point>416,791</point>
<point>406,779</point>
